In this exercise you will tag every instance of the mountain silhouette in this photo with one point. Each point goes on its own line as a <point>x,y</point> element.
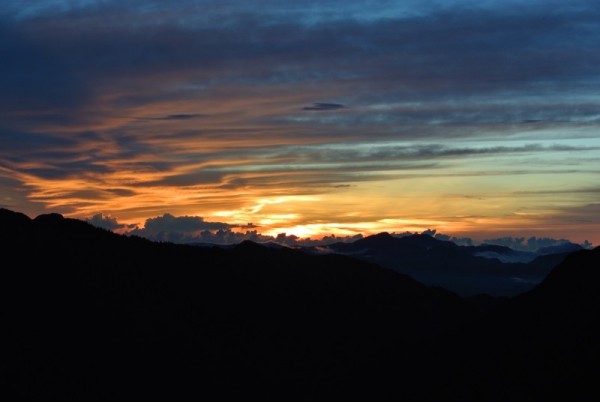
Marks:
<point>467,270</point>
<point>91,315</point>
<point>539,346</point>
<point>542,345</point>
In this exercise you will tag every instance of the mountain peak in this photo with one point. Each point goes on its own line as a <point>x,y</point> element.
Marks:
<point>578,274</point>
<point>8,216</point>
<point>382,236</point>
<point>49,218</point>
<point>379,239</point>
<point>425,240</point>
<point>248,245</point>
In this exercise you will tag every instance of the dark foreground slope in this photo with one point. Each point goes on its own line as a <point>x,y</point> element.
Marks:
<point>543,345</point>
<point>90,315</point>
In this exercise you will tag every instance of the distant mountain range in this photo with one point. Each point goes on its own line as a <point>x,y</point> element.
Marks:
<point>91,315</point>
<point>467,270</point>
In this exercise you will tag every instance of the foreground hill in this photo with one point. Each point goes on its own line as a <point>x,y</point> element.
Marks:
<point>542,345</point>
<point>91,315</point>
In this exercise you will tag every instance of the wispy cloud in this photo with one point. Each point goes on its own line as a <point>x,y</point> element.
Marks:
<point>323,106</point>
<point>174,117</point>
<point>105,222</point>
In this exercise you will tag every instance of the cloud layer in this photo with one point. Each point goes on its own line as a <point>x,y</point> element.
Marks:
<point>464,115</point>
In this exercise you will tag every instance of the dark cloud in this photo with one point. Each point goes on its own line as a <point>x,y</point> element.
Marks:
<point>184,224</point>
<point>458,64</point>
<point>184,229</point>
<point>389,152</point>
<point>33,77</point>
<point>180,116</point>
<point>194,229</point>
<point>177,229</point>
<point>324,106</point>
<point>227,236</point>
<point>121,192</point>
<point>583,217</point>
<point>431,52</point>
<point>18,142</point>
<point>174,117</point>
<point>249,225</point>
<point>105,222</point>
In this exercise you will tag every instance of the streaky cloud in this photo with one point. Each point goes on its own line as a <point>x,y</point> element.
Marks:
<point>141,107</point>
<point>324,107</point>
<point>174,117</point>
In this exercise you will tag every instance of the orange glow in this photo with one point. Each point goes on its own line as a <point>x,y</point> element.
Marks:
<point>239,125</point>
<point>232,164</point>
<point>343,211</point>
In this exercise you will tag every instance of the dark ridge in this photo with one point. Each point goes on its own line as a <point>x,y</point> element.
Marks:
<point>248,245</point>
<point>426,241</point>
<point>11,218</point>
<point>49,218</point>
<point>577,277</point>
<point>383,239</point>
<point>542,345</point>
<point>491,247</point>
<point>461,269</point>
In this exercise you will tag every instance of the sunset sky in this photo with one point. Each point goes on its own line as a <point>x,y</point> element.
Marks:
<point>477,118</point>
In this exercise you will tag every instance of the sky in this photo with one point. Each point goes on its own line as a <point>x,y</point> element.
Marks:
<point>476,118</point>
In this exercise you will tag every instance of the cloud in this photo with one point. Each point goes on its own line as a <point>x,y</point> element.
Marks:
<point>184,224</point>
<point>450,65</point>
<point>391,153</point>
<point>179,229</point>
<point>324,106</point>
<point>105,222</point>
<point>101,95</point>
<point>175,117</point>
<point>36,80</point>
<point>194,229</point>
<point>580,215</point>
<point>484,48</point>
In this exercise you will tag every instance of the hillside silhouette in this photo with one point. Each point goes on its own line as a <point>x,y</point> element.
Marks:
<point>542,345</point>
<point>91,315</point>
<point>539,346</point>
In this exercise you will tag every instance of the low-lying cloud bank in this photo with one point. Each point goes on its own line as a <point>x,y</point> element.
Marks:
<point>194,229</point>
<point>533,243</point>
